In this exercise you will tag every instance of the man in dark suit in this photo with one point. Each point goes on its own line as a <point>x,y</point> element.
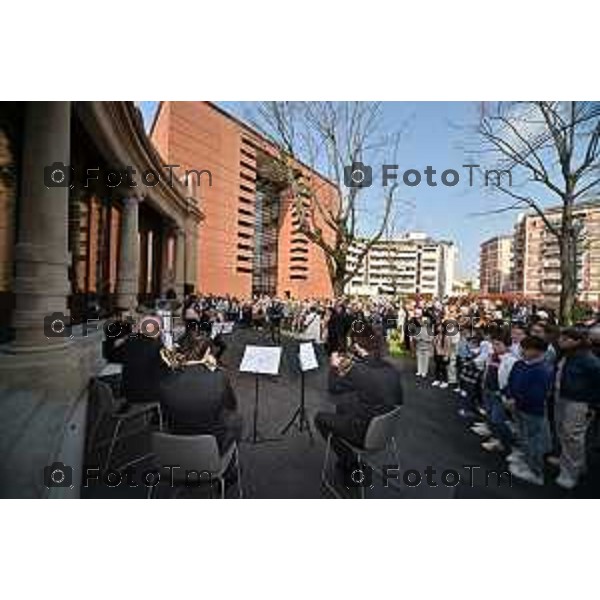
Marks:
<point>375,386</point>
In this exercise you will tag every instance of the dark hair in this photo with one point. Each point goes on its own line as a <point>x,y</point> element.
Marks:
<point>533,342</point>
<point>369,339</point>
<point>501,336</point>
<point>578,334</point>
<point>193,346</point>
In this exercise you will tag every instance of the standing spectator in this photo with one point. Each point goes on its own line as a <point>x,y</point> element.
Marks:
<point>423,343</point>
<point>312,326</point>
<point>529,386</point>
<point>577,389</point>
<point>518,333</point>
<point>495,379</point>
<point>441,353</point>
<point>453,335</point>
<point>275,315</point>
<point>548,333</point>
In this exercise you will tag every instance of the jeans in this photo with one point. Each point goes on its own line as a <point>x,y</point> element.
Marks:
<point>534,439</point>
<point>497,416</point>
<point>572,420</point>
<point>452,367</point>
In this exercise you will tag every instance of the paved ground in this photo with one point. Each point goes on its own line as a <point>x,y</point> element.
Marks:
<point>431,435</point>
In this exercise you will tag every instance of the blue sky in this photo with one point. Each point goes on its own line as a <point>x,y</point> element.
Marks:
<point>440,134</point>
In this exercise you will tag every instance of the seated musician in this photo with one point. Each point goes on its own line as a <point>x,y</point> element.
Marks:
<point>196,395</point>
<point>139,352</point>
<point>375,385</point>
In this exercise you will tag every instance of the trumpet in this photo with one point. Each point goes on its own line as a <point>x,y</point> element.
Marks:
<point>346,363</point>
<point>171,357</point>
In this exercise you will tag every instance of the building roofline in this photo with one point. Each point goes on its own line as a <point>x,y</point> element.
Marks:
<point>264,138</point>
<point>505,236</point>
<point>595,203</point>
<point>246,127</point>
<point>155,118</point>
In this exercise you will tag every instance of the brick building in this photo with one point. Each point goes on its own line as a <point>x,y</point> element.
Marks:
<point>495,263</point>
<point>536,265</point>
<point>248,242</point>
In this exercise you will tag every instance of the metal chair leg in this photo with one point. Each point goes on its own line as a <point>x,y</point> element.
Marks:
<point>396,451</point>
<point>326,461</point>
<point>113,442</point>
<point>362,487</point>
<point>239,472</point>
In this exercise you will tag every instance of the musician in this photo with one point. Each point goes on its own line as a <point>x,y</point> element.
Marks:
<point>196,395</point>
<point>139,352</point>
<point>375,385</point>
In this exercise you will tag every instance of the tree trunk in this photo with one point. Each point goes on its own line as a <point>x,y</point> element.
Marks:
<point>568,289</point>
<point>338,287</point>
<point>568,262</point>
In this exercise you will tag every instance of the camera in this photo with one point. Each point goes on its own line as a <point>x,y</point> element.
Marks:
<point>57,325</point>
<point>358,175</point>
<point>58,175</point>
<point>58,475</point>
<point>359,475</point>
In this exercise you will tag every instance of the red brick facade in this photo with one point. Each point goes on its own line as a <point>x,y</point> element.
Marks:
<point>199,135</point>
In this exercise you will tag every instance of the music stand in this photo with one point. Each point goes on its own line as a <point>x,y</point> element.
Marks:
<point>307,360</point>
<point>260,360</point>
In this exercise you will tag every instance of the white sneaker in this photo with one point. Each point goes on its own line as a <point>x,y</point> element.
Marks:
<point>521,471</point>
<point>443,385</point>
<point>515,456</point>
<point>565,481</point>
<point>457,390</point>
<point>435,383</point>
<point>481,429</point>
<point>492,445</point>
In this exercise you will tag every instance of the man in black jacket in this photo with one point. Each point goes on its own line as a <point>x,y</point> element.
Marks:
<point>197,397</point>
<point>376,387</point>
<point>142,365</point>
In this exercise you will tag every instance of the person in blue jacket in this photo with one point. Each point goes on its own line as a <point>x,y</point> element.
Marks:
<point>529,386</point>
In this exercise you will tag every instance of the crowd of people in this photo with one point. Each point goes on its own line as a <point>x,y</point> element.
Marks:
<point>530,389</point>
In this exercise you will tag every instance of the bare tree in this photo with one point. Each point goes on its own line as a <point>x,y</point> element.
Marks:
<point>557,145</point>
<point>329,137</point>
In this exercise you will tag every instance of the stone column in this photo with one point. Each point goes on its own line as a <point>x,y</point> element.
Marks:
<point>129,256</point>
<point>41,253</point>
<point>191,249</point>
<point>166,274</point>
<point>179,262</point>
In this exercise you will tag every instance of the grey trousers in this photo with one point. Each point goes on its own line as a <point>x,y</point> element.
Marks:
<point>572,420</point>
<point>423,362</point>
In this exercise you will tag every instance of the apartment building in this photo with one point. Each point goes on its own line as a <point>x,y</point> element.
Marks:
<point>536,262</point>
<point>495,263</point>
<point>412,264</point>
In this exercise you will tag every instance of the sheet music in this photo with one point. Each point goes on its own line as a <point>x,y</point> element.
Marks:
<point>223,328</point>
<point>263,360</point>
<point>111,369</point>
<point>308,358</point>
